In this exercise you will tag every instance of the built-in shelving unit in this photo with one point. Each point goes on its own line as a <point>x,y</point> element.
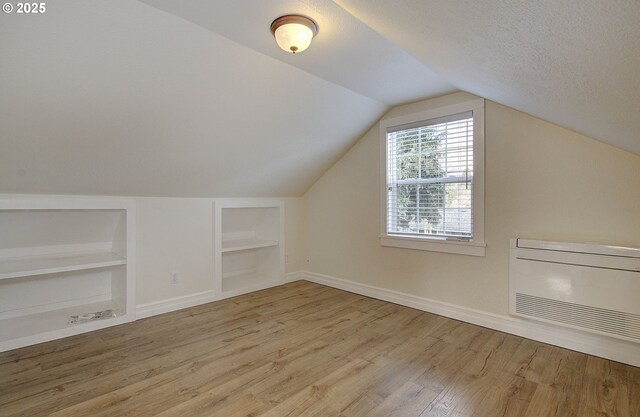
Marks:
<point>249,245</point>
<point>61,258</point>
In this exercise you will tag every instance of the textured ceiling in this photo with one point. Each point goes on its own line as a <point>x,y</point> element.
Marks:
<point>120,98</point>
<point>574,62</point>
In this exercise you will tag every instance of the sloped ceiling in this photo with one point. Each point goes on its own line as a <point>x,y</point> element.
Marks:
<point>120,98</point>
<point>193,98</point>
<point>346,51</point>
<point>573,62</point>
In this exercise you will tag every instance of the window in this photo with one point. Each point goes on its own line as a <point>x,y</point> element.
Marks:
<point>433,186</point>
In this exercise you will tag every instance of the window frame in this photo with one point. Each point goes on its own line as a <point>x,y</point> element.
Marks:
<point>476,245</point>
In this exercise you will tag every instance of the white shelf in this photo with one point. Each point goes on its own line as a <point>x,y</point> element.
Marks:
<point>236,245</point>
<point>61,257</point>
<point>248,245</point>
<point>29,266</point>
<point>35,328</point>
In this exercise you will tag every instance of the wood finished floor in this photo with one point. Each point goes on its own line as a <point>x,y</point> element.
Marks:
<point>307,350</point>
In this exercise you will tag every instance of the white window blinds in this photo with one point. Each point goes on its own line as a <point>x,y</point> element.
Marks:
<point>430,178</point>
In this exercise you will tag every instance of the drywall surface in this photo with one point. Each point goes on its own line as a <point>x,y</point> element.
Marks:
<point>382,70</point>
<point>176,235</point>
<point>119,98</point>
<point>542,182</point>
<point>575,63</point>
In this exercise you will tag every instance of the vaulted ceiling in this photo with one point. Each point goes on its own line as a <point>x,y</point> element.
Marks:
<point>193,98</point>
<point>575,63</point>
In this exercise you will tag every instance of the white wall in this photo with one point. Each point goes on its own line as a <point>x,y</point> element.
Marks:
<point>134,101</point>
<point>176,235</point>
<point>542,182</point>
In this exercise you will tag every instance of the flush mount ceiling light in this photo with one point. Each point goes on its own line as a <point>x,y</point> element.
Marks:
<point>293,32</point>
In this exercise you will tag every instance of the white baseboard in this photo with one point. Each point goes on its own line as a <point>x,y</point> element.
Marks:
<point>173,304</point>
<point>295,276</point>
<point>603,346</point>
<point>192,300</point>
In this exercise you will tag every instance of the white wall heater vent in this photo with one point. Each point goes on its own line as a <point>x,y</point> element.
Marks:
<point>583,286</point>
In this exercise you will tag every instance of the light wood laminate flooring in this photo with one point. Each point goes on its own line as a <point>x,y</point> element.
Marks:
<point>303,349</point>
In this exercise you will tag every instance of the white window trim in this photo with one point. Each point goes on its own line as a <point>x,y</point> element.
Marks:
<point>475,247</point>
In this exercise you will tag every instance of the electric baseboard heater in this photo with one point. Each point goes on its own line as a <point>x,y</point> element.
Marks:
<point>583,286</point>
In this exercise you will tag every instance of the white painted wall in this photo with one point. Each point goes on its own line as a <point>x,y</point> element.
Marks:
<point>542,182</point>
<point>133,101</point>
<point>176,235</point>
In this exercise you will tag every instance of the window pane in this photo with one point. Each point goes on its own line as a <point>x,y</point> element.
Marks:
<point>406,209</point>
<point>455,211</point>
<point>407,167</point>
<point>430,179</point>
<point>430,166</point>
<point>431,199</point>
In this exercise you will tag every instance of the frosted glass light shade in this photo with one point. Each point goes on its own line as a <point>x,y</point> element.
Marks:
<point>293,37</point>
<point>294,33</point>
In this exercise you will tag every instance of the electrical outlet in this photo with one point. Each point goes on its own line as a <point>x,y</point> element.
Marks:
<point>173,278</point>
<point>308,260</point>
<point>286,259</point>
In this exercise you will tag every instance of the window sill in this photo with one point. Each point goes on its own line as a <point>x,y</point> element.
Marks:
<point>434,245</point>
